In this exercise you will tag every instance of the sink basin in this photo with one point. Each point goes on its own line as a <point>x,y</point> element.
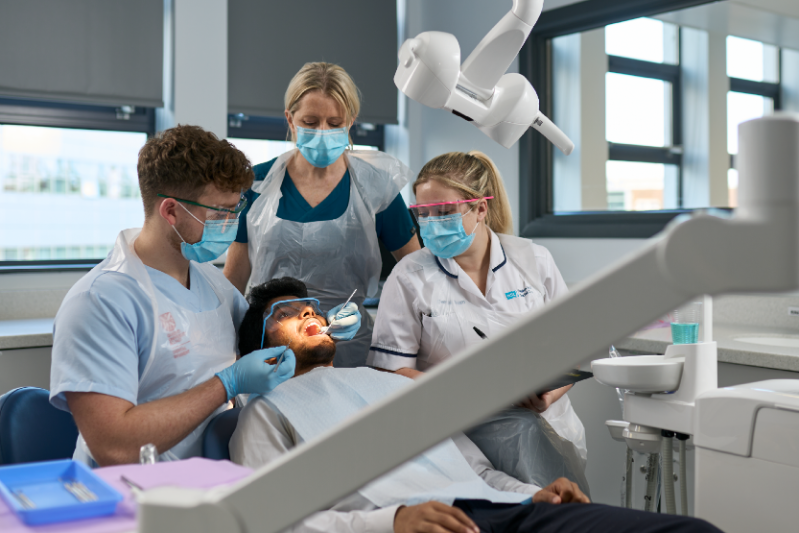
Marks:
<point>781,341</point>
<point>640,373</point>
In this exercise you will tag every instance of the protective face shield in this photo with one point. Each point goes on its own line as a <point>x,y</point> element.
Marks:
<point>322,148</point>
<point>286,309</point>
<point>219,230</point>
<point>441,227</point>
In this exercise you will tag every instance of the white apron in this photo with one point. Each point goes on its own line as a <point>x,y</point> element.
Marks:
<point>332,257</point>
<point>449,329</point>
<point>188,348</point>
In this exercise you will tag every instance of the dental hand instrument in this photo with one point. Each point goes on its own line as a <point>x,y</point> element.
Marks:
<point>282,356</point>
<point>325,329</point>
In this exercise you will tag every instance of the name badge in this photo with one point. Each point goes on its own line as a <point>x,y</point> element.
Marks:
<point>518,294</point>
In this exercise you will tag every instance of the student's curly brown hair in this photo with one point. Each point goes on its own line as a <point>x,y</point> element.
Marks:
<point>181,161</point>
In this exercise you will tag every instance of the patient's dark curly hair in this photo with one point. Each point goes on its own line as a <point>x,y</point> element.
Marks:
<point>252,326</point>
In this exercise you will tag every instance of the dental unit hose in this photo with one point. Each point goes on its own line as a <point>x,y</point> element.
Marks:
<point>681,438</point>
<point>628,480</point>
<point>667,455</point>
<point>651,481</point>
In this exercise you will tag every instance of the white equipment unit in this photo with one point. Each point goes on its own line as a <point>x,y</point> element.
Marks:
<point>698,254</point>
<point>662,389</point>
<point>500,105</point>
<point>747,457</point>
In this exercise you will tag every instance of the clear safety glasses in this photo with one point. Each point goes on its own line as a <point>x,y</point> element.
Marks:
<point>216,213</point>
<point>285,309</point>
<point>441,209</point>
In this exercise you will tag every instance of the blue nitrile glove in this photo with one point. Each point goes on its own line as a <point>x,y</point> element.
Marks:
<point>344,322</point>
<point>252,375</point>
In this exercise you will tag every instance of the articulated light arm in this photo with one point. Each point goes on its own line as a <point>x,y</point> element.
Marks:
<point>493,55</point>
<point>703,254</point>
<point>503,106</point>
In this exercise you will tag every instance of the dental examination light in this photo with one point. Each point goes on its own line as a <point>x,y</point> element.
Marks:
<point>500,105</point>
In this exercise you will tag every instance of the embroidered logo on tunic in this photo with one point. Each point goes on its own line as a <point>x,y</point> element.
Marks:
<point>179,344</point>
<point>518,294</point>
<point>167,322</point>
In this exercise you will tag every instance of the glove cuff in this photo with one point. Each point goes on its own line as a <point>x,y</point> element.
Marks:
<point>225,383</point>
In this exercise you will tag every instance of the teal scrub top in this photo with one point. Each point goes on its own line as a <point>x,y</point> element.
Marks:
<point>394,225</point>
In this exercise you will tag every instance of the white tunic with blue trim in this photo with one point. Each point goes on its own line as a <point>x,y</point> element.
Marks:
<point>429,309</point>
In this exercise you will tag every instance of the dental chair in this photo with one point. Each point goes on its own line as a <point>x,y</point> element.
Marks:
<point>33,430</point>
<point>218,432</point>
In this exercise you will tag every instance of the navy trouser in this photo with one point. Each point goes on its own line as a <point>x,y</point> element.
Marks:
<point>575,517</point>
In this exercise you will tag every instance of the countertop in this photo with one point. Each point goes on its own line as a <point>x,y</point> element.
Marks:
<point>35,332</point>
<point>29,333</point>
<point>654,341</point>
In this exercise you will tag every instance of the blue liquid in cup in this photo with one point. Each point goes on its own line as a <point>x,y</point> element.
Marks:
<point>684,333</point>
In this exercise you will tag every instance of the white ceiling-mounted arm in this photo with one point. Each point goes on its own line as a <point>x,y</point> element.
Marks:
<point>493,55</point>
<point>503,106</point>
<point>555,135</point>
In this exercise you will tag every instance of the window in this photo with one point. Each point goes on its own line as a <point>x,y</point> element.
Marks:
<point>753,69</point>
<point>642,109</point>
<point>66,192</point>
<point>264,138</point>
<point>261,150</point>
<point>642,119</point>
<point>648,96</point>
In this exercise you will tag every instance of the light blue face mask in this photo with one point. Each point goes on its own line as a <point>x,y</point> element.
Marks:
<point>321,148</point>
<point>445,236</point>
<point>216,239</point>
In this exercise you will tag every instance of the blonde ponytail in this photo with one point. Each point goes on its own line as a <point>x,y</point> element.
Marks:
<point>474,175</point>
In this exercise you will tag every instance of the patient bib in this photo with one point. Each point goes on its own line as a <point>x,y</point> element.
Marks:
<point>324,397</point>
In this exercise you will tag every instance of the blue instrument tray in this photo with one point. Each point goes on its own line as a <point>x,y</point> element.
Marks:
<point>56,491</point>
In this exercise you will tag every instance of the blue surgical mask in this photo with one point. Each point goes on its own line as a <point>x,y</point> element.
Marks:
<point>445,235</point>
<point>217,238</point>
<point>321,148</point>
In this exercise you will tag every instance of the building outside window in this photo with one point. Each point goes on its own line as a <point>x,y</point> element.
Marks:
<point>66,193</point>
<point>640,166</point>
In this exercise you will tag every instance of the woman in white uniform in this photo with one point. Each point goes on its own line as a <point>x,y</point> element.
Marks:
<point>471,274</point>
<point>318,211</point>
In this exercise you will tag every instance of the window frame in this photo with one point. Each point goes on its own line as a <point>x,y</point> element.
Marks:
<point>536,215</point>
<point>25,112</point>
<point>243,126</point>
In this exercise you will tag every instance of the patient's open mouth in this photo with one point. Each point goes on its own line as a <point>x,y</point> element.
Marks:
<point>313,328</point>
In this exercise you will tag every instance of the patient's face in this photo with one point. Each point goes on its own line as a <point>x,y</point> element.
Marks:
<point>302,334</point>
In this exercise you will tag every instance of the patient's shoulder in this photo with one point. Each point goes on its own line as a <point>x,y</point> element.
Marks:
<point>262,435</point>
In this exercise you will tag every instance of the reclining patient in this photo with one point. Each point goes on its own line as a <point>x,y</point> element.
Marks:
<point>450,488</point>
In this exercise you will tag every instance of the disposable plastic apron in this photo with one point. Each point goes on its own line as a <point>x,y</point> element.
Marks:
<point>332,257</point>
<point>449,329</point>
<point>324,397</point>
<point>188,348</point>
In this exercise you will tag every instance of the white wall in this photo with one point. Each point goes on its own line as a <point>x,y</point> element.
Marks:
<point>195,65</point>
